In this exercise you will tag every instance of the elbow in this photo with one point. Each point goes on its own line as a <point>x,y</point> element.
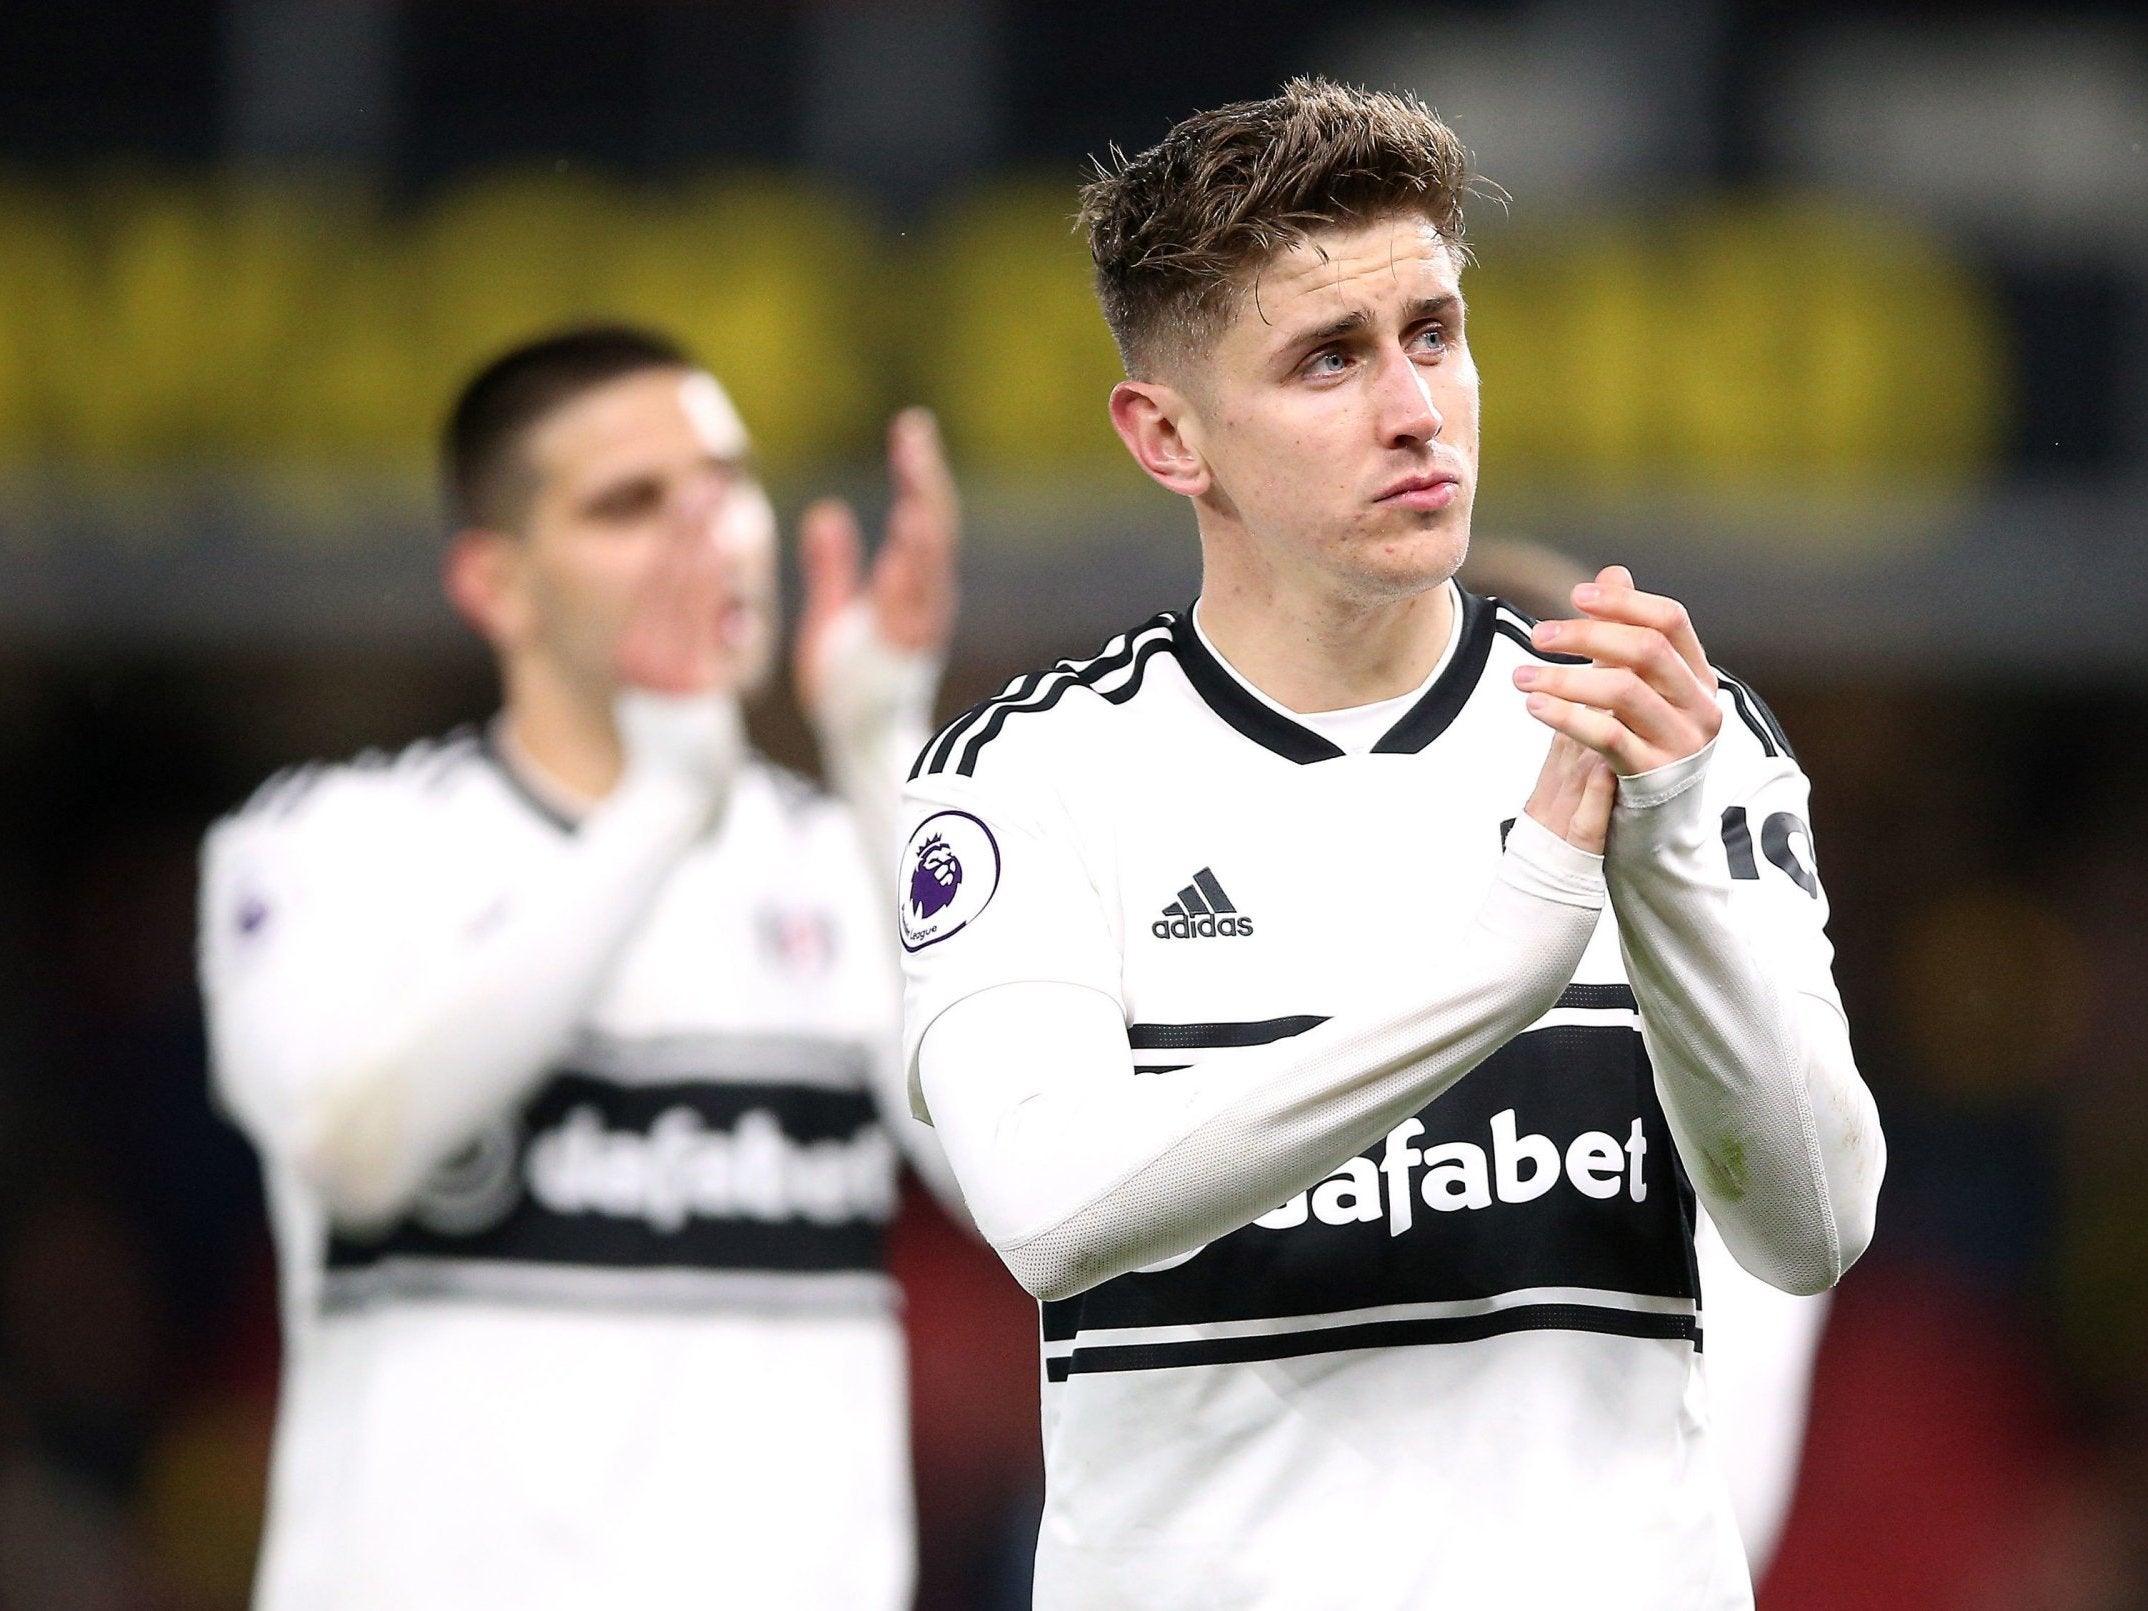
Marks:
<point>351,1162</point>
<point>1051,1271</point>
<point>1812,1268</point>
<point>1046,1278</point>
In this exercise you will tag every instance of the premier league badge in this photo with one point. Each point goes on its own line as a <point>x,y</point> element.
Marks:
<point>950,871</point>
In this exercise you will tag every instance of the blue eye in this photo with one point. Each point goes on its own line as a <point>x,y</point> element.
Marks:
<point>1325,363</point>
<point>1433,337</point>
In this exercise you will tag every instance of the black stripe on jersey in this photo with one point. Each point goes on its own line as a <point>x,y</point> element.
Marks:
<point>1443,701</point>
<point>1089,677</point>
<point>488,745</point>
<point>1484,1200</point>
<point>1520,635</point>
<point>1754,712</point>
<point>1227,697</point>
<point>1039,691</point>
<point>1600,997</point>
<point>682,1174</point>
<point>1373,1334</point>
<point>1190,1037</point>
<point>1422,723</point>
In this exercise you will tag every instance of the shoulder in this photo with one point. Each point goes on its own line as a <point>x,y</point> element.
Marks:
<point>1744,709</point>
<point>797,797</point>
<point>351,801</point>
<point>1043,715</point>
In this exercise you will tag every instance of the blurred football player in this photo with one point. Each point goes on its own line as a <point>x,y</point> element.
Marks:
<point>568,1044</point>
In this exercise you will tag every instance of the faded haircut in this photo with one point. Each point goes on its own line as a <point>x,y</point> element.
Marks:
<point>488,477</point>
<point>1179,232</point>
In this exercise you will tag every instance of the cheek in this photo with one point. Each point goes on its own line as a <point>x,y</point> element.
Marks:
<point>592,583</point>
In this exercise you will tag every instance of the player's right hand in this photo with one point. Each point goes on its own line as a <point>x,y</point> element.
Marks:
<point>686,633</point>
<point>1574,794</point>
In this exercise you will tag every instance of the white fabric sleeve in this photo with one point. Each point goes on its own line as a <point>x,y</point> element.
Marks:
<point>874,718</point>
<point>1078,1170</point>
<point>366,1062</point>
<point>875,715</point>
<point>1742,1021</point>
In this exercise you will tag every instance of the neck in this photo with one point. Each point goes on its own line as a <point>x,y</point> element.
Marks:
<point>566,732</point>
<point>1314,649</point>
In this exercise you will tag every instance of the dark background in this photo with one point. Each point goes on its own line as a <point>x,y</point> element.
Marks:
<point>1828,318</point>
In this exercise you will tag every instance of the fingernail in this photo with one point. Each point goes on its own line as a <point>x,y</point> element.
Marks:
<point>1524,676</point>
<point>1546,632</point>
<point>1588,593</point>
<point>1537,704</point>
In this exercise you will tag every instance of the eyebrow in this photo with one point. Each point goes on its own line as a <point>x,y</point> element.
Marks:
<point>741,464</point>
<point>1429,307</point>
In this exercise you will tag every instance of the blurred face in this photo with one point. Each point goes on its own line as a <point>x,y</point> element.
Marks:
<point>614,472</point>
<point>1336,417</point>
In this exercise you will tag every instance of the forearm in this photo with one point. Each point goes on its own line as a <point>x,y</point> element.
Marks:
<point>1078,1171</point>
<point>1774,1124</point>
<point>371,1114</point>
<point>875,715</point>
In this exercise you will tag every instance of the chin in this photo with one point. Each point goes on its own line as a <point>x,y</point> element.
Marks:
<point>1421,561</point>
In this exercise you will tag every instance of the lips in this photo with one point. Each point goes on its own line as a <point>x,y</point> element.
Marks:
<point>1429,489</point>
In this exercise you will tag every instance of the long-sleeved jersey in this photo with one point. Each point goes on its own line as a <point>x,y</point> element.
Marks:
<point>628,1341</point>
<point>1349,1124</point>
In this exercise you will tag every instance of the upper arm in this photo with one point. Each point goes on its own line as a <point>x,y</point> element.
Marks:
<point>305,940</point>
<point>994,889</point>
<point>1760,804</point>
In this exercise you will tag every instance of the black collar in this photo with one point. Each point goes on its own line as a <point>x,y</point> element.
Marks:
<point>1271,729</point>
<point>517,785</point>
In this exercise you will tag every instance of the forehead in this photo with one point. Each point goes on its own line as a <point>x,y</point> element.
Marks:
<point>1389,262</point>
<point>649,420</point>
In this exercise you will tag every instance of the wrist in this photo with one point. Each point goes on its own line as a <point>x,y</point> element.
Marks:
<point>1541,864</point>
<point>868,686</point>
<point>692,740</point>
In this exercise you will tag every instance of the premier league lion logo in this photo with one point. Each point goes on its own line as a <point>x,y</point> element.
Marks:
<point>935,879</point>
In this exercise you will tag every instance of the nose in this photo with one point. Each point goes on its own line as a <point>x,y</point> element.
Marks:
<point>1407,415</point>
<point>697,502</point>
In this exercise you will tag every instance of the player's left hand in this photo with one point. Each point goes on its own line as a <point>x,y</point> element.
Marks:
<point>1647,696</point>
<point>911,590</point>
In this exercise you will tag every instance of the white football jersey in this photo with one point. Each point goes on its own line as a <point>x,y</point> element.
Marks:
<point>634,1347</point>
<point>1462,1369</point>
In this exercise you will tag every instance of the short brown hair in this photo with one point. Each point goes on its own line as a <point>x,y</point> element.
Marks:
<point>482,463</point>
<point>1178,231</point>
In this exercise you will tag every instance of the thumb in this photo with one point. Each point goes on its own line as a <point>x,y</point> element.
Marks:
<point>830,556</point>
<point>830,559</point>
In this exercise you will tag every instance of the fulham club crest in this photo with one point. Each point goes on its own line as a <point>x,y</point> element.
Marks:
<point>950,869</point>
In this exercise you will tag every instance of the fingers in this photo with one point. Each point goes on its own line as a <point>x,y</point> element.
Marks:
<point>913,582</point>
<point>917,464</point>
<point>1613,597</point>
<point>1573,795</point>
<point>830,553</point>
<point>1642,651</point>
<point>1616,690</point>
<point>830,557</point>
<point>1597,730</point>
<point>1646,696</point>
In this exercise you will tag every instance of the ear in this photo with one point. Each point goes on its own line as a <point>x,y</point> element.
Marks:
<point>482,576</point>
<point>1159,429</point>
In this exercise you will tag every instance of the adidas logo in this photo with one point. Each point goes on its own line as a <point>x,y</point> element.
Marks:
<point>1202,912</point>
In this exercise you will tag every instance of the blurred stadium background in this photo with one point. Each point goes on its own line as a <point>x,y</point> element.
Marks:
<point>1831,318</point>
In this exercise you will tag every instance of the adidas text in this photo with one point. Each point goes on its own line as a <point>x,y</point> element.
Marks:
<point>1208,926</point>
